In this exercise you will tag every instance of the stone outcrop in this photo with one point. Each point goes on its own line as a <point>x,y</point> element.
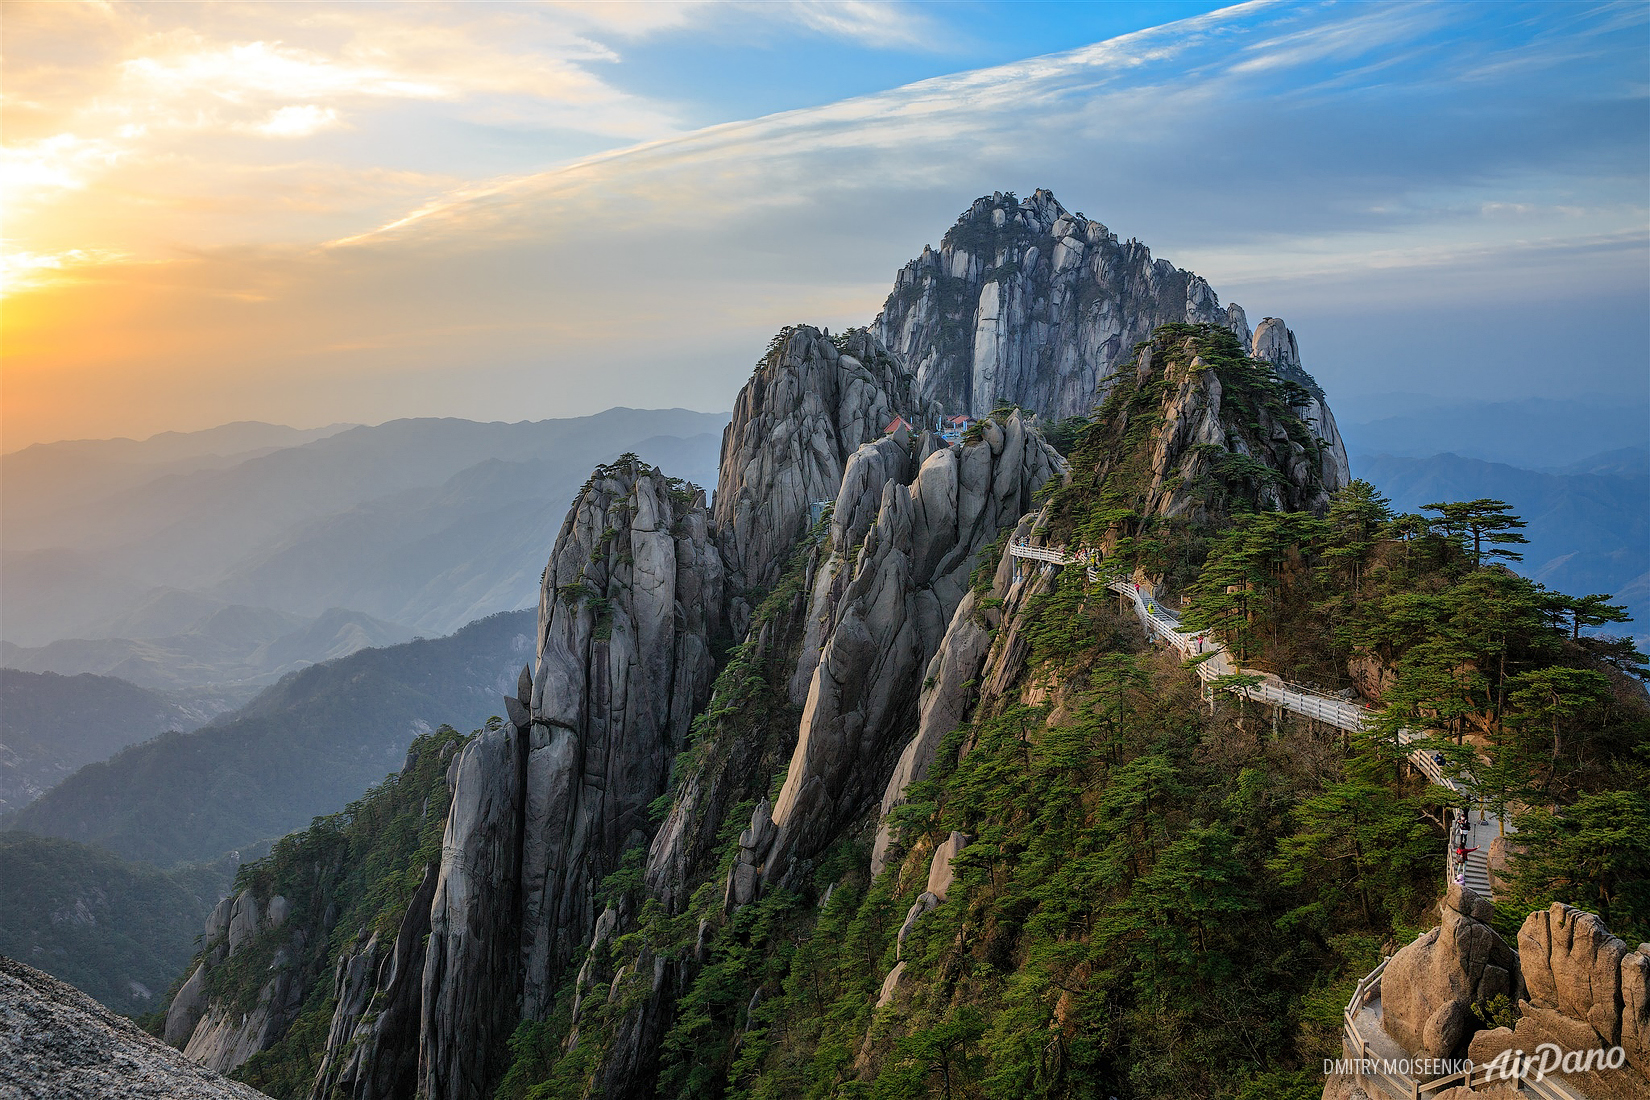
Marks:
<point>941,709</point>
<point>1572,965</point>
<point>542,811</point>
<point>186,1008</point>
<point>810,404</point>
<point>1430,986</point>
<point>1586,988</point>
<point>897,571</point>
<point>1274,343</point>
<point>1026,304</point>
<point>1224,437</point>
<point>372,1044</point>
<point>1635,1012</point>
<point>221,1036</point>
<point>977,657</point>
<point>940,877</point>
<point>56,1043</point>
<point>226,1036</point>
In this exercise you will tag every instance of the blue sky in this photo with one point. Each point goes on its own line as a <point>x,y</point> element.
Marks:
<point>529,210</point>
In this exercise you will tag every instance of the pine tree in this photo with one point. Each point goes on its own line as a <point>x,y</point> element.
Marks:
<point>1595,610</point>
<point>1477,522</point>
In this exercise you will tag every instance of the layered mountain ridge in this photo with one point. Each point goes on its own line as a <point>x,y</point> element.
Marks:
<point>832,612</point>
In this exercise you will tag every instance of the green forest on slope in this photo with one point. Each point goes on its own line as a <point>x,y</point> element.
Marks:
<point>1161,898</point>
<point>1161,901</point>
<point>119,931</point>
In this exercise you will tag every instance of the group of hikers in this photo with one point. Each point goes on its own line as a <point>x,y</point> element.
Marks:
<point>1463,837</point>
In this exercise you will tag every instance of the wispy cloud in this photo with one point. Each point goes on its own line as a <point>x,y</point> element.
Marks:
<point>1304,157</point>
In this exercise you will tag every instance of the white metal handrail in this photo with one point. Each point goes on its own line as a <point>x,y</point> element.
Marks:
<point>1334,712</point>
<point>1402,1086</point>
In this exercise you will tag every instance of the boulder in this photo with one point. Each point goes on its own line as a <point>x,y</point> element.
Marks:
<point>925,903</point>
<point>1489,1043</point>
<point>217,924</point>
<point>1572,965</point>
<point>1429,986</point>
<point>890,985</point>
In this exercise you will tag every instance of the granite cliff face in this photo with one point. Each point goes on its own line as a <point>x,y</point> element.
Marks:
<point>1029,305</point>
<point>221,1035</point>
<point>371,1051</point>
<point>812,401</point>
<point>908,525</point>
<point>544,807</point>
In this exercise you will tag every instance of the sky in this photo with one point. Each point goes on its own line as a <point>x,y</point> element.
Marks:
<point>313,213</point>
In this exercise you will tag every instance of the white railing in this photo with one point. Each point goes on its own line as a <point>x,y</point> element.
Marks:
<point>1042,553</point>
<point>1334,712</point>
<point>1164,627</point>
<point>1372,1069</point>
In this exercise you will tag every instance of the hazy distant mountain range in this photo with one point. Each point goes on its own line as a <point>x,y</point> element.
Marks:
<point>1589,522</point>
<point>55,724</point>
<point>1532,433</point>
<point>423,525</point>
<point>306,746</point>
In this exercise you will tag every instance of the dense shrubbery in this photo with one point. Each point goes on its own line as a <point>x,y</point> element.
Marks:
<point>1535,713</point>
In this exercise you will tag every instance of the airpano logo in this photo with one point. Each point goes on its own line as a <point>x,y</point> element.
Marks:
<point>1514,1065</point>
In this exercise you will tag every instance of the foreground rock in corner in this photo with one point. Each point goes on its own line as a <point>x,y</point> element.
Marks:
<point>56,1042</point>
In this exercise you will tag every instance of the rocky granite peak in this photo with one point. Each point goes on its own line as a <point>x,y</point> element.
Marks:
<point>545,805</point>
<point>1274,343</point>
<point>1027,304</point>
<point>1195,427</point>
<point>811,402</point>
